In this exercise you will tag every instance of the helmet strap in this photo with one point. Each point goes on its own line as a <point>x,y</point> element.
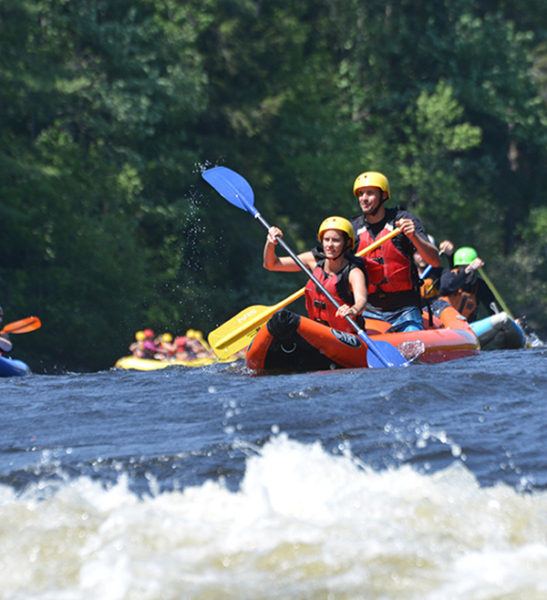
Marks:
<point>382,201</point>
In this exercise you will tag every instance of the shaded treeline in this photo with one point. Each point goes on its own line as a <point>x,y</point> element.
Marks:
<point>108,111</point>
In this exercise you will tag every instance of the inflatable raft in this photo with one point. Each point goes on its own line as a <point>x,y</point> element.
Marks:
<point>10,367</point>
<point>149,364</point>
<point>499,332</point>
<point>290,342</point>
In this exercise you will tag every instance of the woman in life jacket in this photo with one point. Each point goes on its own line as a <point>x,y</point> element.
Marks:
<point>335,266</point>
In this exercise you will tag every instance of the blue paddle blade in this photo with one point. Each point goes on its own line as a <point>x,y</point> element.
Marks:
<point>231,186</point>
<point>382,354</point>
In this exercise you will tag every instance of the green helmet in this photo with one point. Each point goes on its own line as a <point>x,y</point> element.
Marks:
<point>464,256</point>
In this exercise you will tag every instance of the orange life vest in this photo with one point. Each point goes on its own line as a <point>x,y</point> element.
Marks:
<point>429,288</point>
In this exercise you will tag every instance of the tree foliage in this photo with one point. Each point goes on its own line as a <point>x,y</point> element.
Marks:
<point>109,111</point>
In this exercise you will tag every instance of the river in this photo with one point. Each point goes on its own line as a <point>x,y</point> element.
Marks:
<point>426,482</point>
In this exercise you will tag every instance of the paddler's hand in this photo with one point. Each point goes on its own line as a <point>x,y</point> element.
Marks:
<point>274,232</point>
<point>447,247</point>
<point>474,265</point>
<point>407,227</point>
<point>5,345</point>
<point>346,311</point>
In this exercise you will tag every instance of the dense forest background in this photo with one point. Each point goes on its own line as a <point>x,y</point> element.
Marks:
<point>110,110</point>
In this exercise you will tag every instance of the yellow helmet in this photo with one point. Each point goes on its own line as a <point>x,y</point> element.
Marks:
<point>166,337</point>
<point>372,179</point>
<point>340,224</point>
<point>139,336</point>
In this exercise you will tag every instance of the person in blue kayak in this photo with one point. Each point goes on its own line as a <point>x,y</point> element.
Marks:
<point>463,287</point>
<point>335,266</point>
<point>5,343</point>
<point>396,298</point>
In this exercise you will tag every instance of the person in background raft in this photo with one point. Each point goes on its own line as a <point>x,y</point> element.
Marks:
<point>396,297</point>
<point>464,289</point>
<point>149,347</point>
<point>335,266</point>
<point>430,282</point>
<point>5,343</point>
<point>165,347</point>
<point>136,348</point>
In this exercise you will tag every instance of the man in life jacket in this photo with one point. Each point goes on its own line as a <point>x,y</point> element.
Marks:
<point>464,289</point>
<point>396,297</point>
<point>334,265</point>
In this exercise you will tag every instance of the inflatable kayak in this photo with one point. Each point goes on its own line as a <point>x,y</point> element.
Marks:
<point>290,342</point>
<point>10,367</point>
<point>499,332</point>
<point>149,364</point>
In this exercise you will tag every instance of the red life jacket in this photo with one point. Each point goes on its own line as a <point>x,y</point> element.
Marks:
<point>319,307</point>
<point>396,267</point>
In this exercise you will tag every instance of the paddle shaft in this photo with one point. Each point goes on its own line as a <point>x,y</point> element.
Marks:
<point>495,292</point>
<point>367,250</point>
<point>426,273</point>
<point>362,252</point>
<point>330,297</point>
<point>239,330</point>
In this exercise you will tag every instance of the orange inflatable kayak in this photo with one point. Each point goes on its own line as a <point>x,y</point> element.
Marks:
<point>291,342</point>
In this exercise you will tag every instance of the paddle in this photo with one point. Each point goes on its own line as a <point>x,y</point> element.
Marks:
<point>234,188</point>
<point>425,272</point>
<point>238,332</point>
<point>494,291</point>
<point>22,326</point>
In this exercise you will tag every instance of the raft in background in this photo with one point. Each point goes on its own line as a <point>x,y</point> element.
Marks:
<point>11,367</point>
<point>499,332</point>
<point>150,364</point>
<point>291,342</point>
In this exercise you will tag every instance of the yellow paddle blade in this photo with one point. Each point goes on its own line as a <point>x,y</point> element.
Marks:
<point>237,333</point>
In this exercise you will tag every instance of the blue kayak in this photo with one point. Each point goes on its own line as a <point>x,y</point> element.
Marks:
<point>499,332</point>
<point>10,367</point>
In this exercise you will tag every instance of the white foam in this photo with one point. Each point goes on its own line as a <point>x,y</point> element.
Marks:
<point>304,524</point>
